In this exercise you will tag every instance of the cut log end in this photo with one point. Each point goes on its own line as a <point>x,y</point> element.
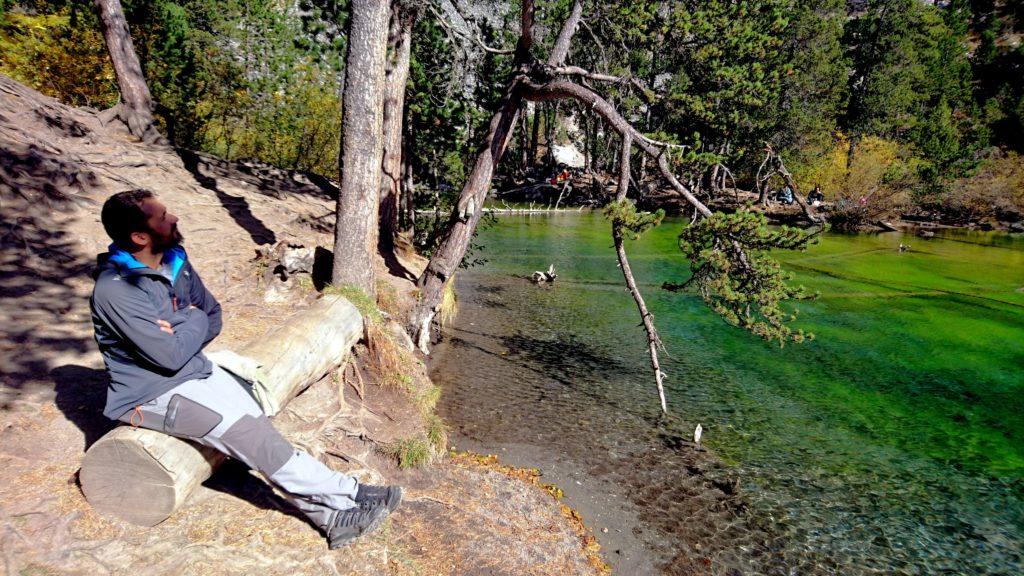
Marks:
<point>122,478</point>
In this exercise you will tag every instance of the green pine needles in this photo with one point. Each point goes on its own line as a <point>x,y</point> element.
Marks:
<point>624,217</point>
<point>737,278</point>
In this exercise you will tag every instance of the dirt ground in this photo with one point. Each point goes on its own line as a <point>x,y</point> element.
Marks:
<point>463,515</point>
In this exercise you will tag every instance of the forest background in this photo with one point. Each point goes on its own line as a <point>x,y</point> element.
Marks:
<point>914,106</point>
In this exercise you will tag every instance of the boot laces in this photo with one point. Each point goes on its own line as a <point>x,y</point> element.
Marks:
<point>354,516</point>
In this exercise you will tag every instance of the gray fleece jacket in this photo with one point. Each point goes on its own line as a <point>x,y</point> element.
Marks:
<point>128,299</point>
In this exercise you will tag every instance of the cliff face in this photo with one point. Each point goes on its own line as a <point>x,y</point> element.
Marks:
<point>57,166</point>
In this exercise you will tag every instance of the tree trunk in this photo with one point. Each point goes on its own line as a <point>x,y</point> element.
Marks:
<point>408,225</point>
<point>355,234</point>
<point>452,247</point>
<point>535,135</point>
<point>142,476</point>
<point>653,340</point>
<point>399,42</point>
<point>523,144</point>
<point>135,108</point>
<point>549,135</point>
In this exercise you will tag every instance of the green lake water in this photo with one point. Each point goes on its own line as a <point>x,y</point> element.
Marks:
<point>891,443</point>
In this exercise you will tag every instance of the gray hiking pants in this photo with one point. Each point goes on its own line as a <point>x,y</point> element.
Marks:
<point>218,412</point>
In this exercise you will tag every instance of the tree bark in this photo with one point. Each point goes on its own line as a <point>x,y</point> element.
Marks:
<point>761,181</point>
<point>653,341</point>
<point>561,48</point>
<point>408,221</point>
<point>355,235</point>
<point>523,144</point>
<point>550,133</point>
<point>396,75</point>
<point>135,108</point>
<point>535,135</point>
<point>463,220</point>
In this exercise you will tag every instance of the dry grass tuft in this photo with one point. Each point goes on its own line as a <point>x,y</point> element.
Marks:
<point>437,434</point>
<point>427,397</point>
<point>449,307</point>
<point>387,360</point>
<point>410,452</point>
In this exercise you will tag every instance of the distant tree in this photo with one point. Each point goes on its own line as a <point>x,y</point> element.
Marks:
<point>728,60</point>
<point>912,82</point>
<point>998,70</point>
<point>403,16</point>
<point>136,106</point>
<point>814,91</point>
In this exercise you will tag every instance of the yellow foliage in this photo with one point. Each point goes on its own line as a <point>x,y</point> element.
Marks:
<point>997,186</point>
<point>872,161</point>
<point>299,128</point>
<point>68,63</point>
<point>822,167</point>
<point>876,168</point>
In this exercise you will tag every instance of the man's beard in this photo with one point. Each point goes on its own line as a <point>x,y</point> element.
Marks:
<point>163,244</point>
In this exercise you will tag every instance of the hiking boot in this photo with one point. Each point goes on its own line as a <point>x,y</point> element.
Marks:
<point>353,523</point>
<point>369,495</point>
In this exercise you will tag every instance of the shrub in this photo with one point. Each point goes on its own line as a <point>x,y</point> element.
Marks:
<point>410,452</point>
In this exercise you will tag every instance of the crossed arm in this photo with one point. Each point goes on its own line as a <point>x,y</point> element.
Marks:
<point>167,344</point>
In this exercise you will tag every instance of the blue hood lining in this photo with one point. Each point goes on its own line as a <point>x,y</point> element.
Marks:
<point>176,257</point>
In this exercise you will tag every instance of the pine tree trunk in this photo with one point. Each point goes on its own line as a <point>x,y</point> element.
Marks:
<point>452,247</point>
<point>523,145</point>
<point>549,135</point>
<point>408,224</point>
<point>535,135</point>
<point>355,234</point>
<point>135,108</point>
<point>397,72</point>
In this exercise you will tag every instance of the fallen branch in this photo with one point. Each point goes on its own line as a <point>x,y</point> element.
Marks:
<point>774,161</point>
<point>653,341</point>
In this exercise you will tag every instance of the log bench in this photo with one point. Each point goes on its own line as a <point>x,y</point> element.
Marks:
<point>142,476</point>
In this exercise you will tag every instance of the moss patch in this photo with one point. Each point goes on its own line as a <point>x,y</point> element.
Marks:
<point>359,298</point>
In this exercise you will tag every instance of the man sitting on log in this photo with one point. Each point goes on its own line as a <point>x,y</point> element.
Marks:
<point>153,316</point>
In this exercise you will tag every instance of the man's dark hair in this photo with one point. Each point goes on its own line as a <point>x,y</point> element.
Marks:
<point>122,214</point>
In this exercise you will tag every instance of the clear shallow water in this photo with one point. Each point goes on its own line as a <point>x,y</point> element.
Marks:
<point>892,443</point>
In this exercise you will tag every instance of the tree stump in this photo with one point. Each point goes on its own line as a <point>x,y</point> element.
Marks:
<point>141,476</point>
